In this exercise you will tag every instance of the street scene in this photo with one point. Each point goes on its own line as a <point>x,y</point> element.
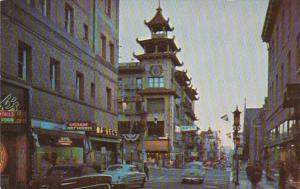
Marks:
<point>119,94</point>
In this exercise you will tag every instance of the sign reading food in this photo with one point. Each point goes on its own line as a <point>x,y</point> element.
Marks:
<point>9,111</point>
<point>3,157</point>
<point>79,126</point>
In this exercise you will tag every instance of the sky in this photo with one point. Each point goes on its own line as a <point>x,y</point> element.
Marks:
<point>221,48</point>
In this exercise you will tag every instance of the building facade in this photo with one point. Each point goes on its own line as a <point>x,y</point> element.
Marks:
<point>59,74</point>
<point>281,32</point>
<point>155,99</point>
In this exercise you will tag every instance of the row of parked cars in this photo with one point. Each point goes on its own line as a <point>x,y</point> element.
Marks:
<point>86,177</point>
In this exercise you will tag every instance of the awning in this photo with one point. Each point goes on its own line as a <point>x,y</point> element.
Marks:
<point>103,139</point>
<point>57,133</point>
<point>155,146</point>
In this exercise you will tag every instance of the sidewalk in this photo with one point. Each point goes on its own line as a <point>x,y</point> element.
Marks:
<point>244,183</point>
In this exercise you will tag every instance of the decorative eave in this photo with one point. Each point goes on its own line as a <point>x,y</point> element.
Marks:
<point>270,19</point>
<point>158,22</point>
<point>182,78</point>
<point>191,92</point>
<point>171,55</point>
<point>130,68</point>
<point>155,91</point>
<point>153,41</point>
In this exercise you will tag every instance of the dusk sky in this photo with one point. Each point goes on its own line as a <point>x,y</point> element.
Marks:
<point>221,47</point>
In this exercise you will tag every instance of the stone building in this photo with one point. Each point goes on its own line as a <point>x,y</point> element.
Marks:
<point>59,75</point>
<point>281,31</point>
<point>155,99</point>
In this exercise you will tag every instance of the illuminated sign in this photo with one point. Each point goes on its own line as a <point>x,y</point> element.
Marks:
<point>106,131</point>
<point>79,126</point>
<point>3,157</point>
<point>66,141</point>
<point>9,111</point>
<point>189,128</point>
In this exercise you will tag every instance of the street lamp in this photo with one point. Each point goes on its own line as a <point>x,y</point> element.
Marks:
<point>236,139</point>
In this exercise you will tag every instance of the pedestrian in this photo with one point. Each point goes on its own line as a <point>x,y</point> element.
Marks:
<point>283,174</point>
<point>146,170</point>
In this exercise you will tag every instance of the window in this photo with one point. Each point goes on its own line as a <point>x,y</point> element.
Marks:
<point>103,46</point>
<point>156,129</point>
<point>93,90</point>
<point>138,106</point>
<point>155,105</point>
<point>139,84</point>
<point>108,98</point>
<point>107,5</point>
<point>86,32</point>
<point>45,7</point>
<point>277,88</point>
<point>79,86</point>
<point>112,53</point>
<point>120,83</point>
<point>156,81</point>
<point>282,79</point>
<point>54,74</point>
<point>24,58</point>
<point>282,27</point>
<point>289,67</point>
<point>69,18</point>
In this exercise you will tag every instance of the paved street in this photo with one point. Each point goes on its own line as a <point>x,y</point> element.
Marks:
<point>219,179</point>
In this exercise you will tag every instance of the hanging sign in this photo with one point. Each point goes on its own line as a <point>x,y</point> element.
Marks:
<point>79,126</point>
<point>106,131</point>
<point>3,157</point>
<point>9,111</point>
<point>65,141</point>
<point>185,128</point>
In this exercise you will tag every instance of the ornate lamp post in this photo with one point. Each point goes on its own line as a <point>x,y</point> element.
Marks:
<point>236,140</point>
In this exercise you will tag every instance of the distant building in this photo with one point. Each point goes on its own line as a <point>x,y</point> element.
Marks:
<point>210,145</point>
<point>281,31</point>
<point>156,100</point>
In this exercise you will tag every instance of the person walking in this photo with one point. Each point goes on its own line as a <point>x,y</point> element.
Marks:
<point>146,170</point>
<point>283,174</point>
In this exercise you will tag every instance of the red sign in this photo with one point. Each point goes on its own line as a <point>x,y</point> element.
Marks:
<point>12,117</point>
<point>79,126</point>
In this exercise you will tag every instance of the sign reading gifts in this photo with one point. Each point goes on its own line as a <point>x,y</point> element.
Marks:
<point>79,126</point>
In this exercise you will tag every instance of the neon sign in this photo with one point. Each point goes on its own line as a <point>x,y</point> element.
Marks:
<point>3,157</point>
<point>79,126</point>
<point>9,111</point>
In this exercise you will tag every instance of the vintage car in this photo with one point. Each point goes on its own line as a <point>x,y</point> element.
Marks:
<point>193,172</point>
<point>125,176</point>
<point>72,177</point>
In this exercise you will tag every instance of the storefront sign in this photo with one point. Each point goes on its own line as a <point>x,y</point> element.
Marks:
<point>79,126</point>
<point>185,128</point>
<point>3,157</point>
<point>106,131</point>
<point>65,141</point>
<point>9,111</point>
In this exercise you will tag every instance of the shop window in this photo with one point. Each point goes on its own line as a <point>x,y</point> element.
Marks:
<point>54,74</point>
<point>156,129</point>
<point>112,53</point>
<point>155,105</point>
<point>79,86</point>
<point>93,90</point>
<point>108,98</point>
<point>69,18</point>
<point>24,60</point>
<point>156,82</point>
<point>103,46</point>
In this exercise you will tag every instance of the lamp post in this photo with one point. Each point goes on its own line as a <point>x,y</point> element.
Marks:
<point>236,140</point>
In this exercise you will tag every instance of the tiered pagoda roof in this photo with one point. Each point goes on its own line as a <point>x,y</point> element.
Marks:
<point>158,22</point>
<point>160,41</point>
<point>182,78</point>
<point>171,55</point>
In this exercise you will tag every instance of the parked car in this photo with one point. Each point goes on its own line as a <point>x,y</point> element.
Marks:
<point>72,177</point>
<point>125,176</point>
<point>193,172</point>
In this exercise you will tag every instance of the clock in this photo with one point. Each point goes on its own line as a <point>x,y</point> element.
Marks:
<point>156,70</point>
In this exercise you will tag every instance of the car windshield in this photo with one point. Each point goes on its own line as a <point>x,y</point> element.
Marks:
<point>193,166</point>
<point>62,171</point>
<point>114,168</point>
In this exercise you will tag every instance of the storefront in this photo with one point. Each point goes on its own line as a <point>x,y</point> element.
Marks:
<point>104,145</point>
<point>54,146</point>
<point>15,147</point>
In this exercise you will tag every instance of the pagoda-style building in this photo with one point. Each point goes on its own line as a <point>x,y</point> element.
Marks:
<point>161,89</point>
